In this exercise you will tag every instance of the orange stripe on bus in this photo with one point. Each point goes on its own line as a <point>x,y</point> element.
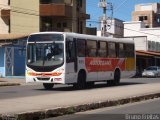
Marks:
<point>44,74</point>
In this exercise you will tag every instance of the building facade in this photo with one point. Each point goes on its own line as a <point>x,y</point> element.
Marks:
<point>12,55</point>
<point>147,39</point>
<point>147,44</point>
<point>63,15</point>
<point>149,13</point>
<point>113,28</point>
<point>22,17</point>
<point>43,15</point>
<point>4,16</point>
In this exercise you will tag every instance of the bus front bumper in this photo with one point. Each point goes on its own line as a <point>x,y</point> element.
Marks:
<point>56,80</point>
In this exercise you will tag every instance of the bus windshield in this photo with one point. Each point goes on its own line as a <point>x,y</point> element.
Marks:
<point>45,52</point>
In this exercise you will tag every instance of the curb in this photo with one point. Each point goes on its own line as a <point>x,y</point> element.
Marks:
<point>9,84</point>
<point>42,114</point>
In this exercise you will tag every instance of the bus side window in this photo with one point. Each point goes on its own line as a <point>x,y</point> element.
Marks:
<point>91,50</point>
<point>121,52</point>
<point>70,51</point>
<point>81,47</point>
<point>129,50</point>
<point>102,49</point>
<point>111,49</point>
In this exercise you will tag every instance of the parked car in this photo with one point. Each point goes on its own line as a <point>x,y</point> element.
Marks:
<point>152,71</point>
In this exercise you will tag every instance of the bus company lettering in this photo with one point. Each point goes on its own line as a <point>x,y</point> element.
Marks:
<point>100,62</point>
<point>104,64</point>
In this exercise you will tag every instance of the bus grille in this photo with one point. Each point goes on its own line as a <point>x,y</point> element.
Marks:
<point>45,79</point>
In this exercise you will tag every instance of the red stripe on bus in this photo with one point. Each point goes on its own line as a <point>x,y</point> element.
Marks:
<point>104,64</point>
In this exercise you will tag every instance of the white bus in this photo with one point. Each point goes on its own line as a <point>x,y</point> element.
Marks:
<point>78,59</point>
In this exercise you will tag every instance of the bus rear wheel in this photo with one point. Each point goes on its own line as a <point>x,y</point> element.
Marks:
<point>116,80</point>
<point>48,86</point>
<point>81,81</point>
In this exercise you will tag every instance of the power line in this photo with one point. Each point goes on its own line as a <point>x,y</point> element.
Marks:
<point>120,5</point>
<point>142,32</point>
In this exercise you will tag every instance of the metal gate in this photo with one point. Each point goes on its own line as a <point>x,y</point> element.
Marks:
<point>9,61</point>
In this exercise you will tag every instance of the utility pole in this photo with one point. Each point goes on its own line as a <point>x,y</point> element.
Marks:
<point>106,6</point>
<point>103,4</point>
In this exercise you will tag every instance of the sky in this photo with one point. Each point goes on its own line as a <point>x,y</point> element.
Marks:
<point>122,10</point>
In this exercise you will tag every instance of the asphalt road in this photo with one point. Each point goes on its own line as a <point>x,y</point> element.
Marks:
<point>140,110</point>
<point>34,90</point>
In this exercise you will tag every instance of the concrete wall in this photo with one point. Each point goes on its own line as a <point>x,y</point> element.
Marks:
<point>4,28</point>
<point>74,13</point>
<point>24,16</point>
<point>151,10</point>
<point>150,17</point>
<point>136,29</point>
<point>2,62</point>
<point>141,42</point>
<point>147,7</point>
<point>114,27</point>
<point>3,3</point>
<point>133,28</point>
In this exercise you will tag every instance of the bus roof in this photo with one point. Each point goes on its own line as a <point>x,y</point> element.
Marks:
<point>90,37</point>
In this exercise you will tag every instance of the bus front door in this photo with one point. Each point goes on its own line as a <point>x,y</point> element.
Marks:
<point>71,61</point>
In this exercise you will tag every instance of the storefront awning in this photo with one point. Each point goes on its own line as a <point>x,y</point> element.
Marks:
<point>12,36</point>
<point>8,39</point>
<point>148,53</point>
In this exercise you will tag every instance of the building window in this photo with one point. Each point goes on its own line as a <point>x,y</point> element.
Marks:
<point>149,45</point>
<point>58,25</point>
<point>64,24</point>
<point>79,3</point>
<point>158,19</point>
<point>81,27</point>
<point>8,2</point>
<point>9,24</point>
<point>45,1</point>
<point>142,18</point>
<point>145,18</point>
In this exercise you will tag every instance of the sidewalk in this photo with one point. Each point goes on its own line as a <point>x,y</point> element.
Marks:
<point>53,104</point>
<point>15,81</point>
<point>12,81</point>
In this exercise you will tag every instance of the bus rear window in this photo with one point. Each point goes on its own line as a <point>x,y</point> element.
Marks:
<point>45,37</point>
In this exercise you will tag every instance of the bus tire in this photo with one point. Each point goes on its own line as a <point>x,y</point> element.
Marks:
<point>116,80</point>
<point>81,80</point>
<point>48,86</point>
<point>116,77</point>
